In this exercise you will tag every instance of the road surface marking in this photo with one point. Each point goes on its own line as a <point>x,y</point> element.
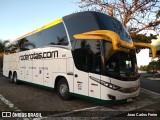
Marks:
<point>65,113</point>
<point>150,91</point>
<point>151,78</point>
<point>8,103</point>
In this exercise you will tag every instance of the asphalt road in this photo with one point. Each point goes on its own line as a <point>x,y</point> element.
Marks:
<point>27,97</point>
<point>152,85</point>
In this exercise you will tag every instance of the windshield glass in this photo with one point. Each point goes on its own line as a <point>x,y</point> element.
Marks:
<point>120,64</point>
<point>106,22</point>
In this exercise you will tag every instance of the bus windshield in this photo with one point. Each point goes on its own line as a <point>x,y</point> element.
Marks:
<point>108,23</point>
<point>120,64</point>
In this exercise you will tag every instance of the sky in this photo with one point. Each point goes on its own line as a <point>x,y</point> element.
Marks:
<point>18,17</point>
<point>143,57</point>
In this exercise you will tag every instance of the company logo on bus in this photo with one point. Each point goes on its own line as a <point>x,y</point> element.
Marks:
<point>41,55</point>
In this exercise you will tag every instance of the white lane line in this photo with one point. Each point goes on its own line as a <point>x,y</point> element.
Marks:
<point>61,114</point>
<point>150,91</point>
<point>151,78</point>
<point>90,108</point>
<point>8,103</point>
<point>84,109</point>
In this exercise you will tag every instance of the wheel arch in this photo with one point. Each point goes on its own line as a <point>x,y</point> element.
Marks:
<point>14,73</point>
<point>57,80</point>
<point>9,73</point>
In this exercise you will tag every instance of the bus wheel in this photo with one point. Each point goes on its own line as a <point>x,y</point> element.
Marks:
<point>15,78</point>
<point>10,77</point>
<point>63,89</point>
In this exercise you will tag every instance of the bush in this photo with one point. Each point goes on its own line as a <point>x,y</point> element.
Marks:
<point>143,68</point>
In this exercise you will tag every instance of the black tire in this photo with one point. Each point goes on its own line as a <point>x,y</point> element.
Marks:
<point>63,89</point>
<point>15,78</point>
<point>10,77</point>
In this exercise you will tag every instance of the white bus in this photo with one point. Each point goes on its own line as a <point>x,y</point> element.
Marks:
<point>86,54</point>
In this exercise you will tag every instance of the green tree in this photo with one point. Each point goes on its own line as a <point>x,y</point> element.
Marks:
<point>157,64</point>
<point>143,68</point>
<point>152,66</point>
<point>136,15</point>
<point>2,45</point>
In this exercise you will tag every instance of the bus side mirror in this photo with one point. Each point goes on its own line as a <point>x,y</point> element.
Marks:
<point>153,49</point>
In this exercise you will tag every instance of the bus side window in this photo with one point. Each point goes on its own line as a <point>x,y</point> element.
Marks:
<point>7,50</point>
<point>80,55</point>
<point>56,35</point>
<point>39,39</point>
<point>94,56</point>
<point>26,43</point>
<point>15,47</point>
<point>10,49</point>
<point>87,55</point>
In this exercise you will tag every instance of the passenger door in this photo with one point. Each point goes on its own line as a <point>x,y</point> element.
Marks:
<point>95,69</point>
<point>87,58</point>
<point>80,82</point>
<point>94,85</point>
<point>80,56</point>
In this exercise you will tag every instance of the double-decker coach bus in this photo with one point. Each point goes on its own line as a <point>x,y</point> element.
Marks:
<point>86,54</point>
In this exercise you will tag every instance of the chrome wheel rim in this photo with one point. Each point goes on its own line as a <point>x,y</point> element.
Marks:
<point>63,89</point>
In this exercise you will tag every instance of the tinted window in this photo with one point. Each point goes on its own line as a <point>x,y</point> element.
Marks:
<point>80,55</point>
<point>121,65</point>
<point>108,23</point>
<point>12,48</point>
<point>87,55</point>
<point>79,23</point>
<point>15,47</point>
<point>8,49</point>
<point>27,43</point>
<point>39,40</point>
<point>94,56</point>
<point>90,21</point>
<point>56,35</point>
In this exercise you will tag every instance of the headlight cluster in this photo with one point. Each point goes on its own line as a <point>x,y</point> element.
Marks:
<point>106,84</point>
<point>109,85</point>
<point>128,90</point>
<point>115,87</point>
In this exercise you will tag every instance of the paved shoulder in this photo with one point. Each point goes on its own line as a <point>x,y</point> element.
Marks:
<point>4,107</point>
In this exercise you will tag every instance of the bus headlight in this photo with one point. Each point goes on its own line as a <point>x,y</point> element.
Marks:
<point>110,85</point>
<point>106,84</point>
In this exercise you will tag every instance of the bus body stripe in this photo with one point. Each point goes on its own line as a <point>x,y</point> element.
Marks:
<point>51,24</point>
<point>94,84</point>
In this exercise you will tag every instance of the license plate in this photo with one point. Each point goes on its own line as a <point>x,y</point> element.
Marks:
<point>129,100</point>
